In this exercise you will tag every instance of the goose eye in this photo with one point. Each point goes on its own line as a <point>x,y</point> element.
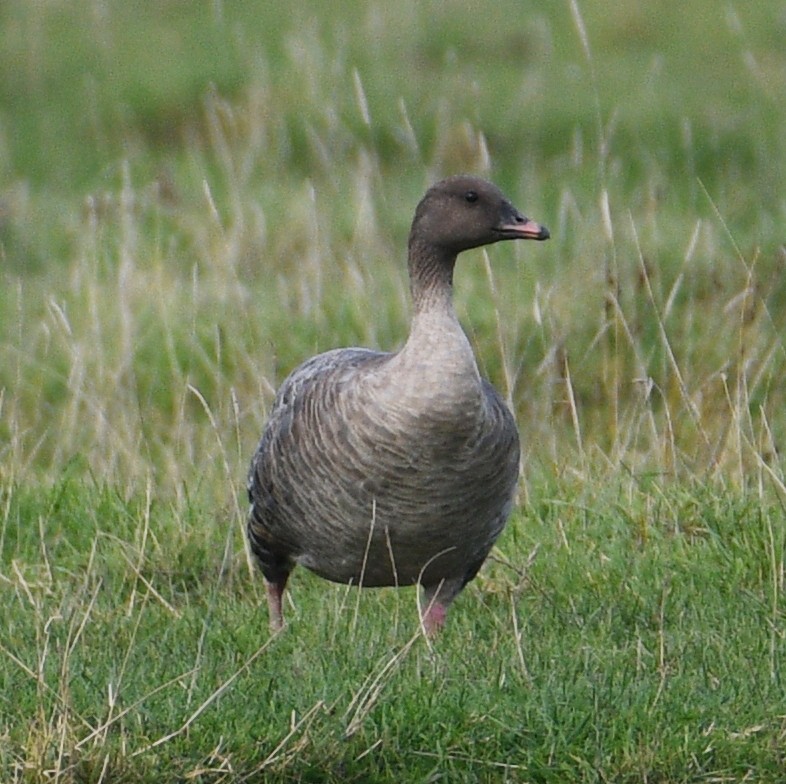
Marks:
<point>471,196</point>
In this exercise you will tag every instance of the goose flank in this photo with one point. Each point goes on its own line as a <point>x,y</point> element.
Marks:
<point>395,469</point>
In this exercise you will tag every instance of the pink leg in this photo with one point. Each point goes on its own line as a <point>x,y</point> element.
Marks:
<point>275,595</point>
<point>434,618</point>
<point>436,600</point>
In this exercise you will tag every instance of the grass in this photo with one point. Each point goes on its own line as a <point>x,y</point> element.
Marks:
<point>195,197</point>
<point>631,640</point>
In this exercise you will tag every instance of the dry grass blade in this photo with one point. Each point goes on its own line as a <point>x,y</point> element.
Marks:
<point>369,693</point>
<point>230,477</point>
<point>276,756</point>
<point>690,406</point>
<point>208,702</point>
<point>102,728</point>
<point>473,761</point>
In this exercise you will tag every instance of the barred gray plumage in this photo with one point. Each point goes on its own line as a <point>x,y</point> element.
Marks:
<point>395,468</point>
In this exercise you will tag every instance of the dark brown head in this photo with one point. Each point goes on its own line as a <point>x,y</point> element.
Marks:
<point>466,212</point>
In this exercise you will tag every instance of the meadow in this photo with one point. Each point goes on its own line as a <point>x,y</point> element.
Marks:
<point>194,197</point>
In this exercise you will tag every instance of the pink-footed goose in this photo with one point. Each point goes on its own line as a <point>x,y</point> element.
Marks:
<point>395,468</point>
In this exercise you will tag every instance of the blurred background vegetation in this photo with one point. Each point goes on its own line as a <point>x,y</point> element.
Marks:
<point>195,196</point>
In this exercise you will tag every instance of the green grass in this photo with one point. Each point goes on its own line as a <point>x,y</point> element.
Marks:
<point>626,635</point>
<point>194,197</point>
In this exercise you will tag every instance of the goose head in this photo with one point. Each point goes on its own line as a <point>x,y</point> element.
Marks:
<point>465,212</point>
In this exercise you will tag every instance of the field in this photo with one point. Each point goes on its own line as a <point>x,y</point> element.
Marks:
<point>194,197</point>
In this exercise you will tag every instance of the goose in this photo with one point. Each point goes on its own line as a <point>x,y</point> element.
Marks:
<point>395,468</point>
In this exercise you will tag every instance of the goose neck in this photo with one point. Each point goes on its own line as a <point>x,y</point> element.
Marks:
<point>430,276</point>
